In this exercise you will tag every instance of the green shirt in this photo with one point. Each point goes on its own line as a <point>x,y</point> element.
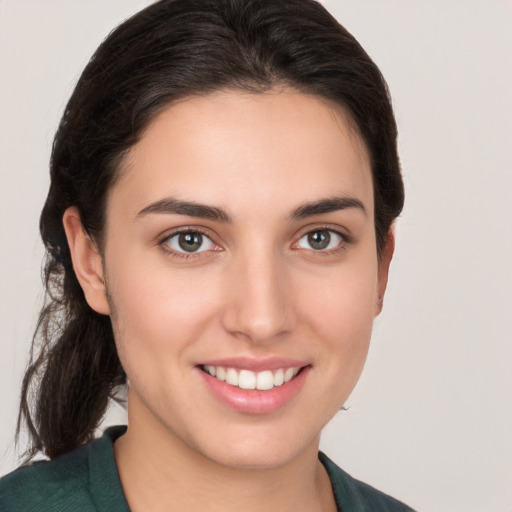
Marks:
<point>86,480</point>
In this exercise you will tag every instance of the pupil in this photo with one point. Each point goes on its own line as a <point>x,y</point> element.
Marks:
<point>190,242</point>
<point>319,239</point>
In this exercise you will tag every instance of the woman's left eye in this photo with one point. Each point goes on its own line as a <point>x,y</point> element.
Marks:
<point>320,240</point>
<point>189,242</point>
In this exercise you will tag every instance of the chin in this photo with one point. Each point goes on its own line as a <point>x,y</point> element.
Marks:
<point>253,459</point>
<point>259,450</point>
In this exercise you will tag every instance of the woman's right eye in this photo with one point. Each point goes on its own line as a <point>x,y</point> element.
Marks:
<point>189,242</point>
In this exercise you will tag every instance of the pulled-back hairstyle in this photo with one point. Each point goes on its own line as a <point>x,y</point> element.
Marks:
<point>170,50</point>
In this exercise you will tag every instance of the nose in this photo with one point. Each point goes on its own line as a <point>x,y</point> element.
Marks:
<point>259,307</point>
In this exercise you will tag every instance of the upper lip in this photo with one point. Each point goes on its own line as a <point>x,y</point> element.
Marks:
<point>255,365</point>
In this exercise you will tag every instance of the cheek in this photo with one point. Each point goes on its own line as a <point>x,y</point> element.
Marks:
<point>343,300</point>
<point>336,311</point>
<point>147,287</point>
<point>156,312</point>
<point>340,309</point>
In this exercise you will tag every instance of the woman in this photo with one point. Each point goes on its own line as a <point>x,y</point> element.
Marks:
<point>218,232</point>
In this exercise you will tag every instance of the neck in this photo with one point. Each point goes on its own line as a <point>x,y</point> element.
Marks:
<point>160,472</point>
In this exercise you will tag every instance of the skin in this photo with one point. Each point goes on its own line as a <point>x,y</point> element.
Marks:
<point>257,290</point>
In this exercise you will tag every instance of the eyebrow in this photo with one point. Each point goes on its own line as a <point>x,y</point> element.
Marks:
<point>327,206</point>
<point>173,206</point>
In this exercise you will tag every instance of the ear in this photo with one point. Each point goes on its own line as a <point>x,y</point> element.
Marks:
<point>87,262</point>
<point>383,268</point>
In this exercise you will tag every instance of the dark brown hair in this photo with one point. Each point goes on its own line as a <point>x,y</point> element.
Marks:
<point>173,49</point>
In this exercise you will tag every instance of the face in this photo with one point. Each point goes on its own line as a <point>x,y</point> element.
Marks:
<point>242,273</point>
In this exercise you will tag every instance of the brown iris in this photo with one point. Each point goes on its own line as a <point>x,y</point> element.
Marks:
<point>319,240</point>
<point>190,242</point>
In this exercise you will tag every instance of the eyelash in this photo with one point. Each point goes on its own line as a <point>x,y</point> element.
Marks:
<point>341,246</point>
<point>183,255</point>
<point>345,240</point>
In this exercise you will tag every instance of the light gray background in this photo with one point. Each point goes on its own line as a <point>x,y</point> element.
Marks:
<point>431,419</point>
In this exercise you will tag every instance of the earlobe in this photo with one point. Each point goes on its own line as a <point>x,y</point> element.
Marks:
<point>383,269</point>
<point>87,262</point>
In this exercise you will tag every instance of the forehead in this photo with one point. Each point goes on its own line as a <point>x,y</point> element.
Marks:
<point>241,150</point>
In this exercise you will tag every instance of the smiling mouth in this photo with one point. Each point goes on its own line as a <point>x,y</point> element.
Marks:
<point>247,379</point>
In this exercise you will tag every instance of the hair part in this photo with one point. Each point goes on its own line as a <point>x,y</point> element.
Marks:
<point>171,50</point>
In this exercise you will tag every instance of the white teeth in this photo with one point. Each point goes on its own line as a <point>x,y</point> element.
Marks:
<point>288,374</point>
<point>232,377</point>
<point>279,377</point>
<point>246,379</point>
<point>265,380</point>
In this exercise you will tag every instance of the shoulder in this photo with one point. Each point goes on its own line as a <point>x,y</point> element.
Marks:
<point>47,485</point>
<point>355,496</point>
<point>65,483</point>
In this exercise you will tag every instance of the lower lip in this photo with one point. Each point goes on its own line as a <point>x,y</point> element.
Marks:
<point>254,401</point>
